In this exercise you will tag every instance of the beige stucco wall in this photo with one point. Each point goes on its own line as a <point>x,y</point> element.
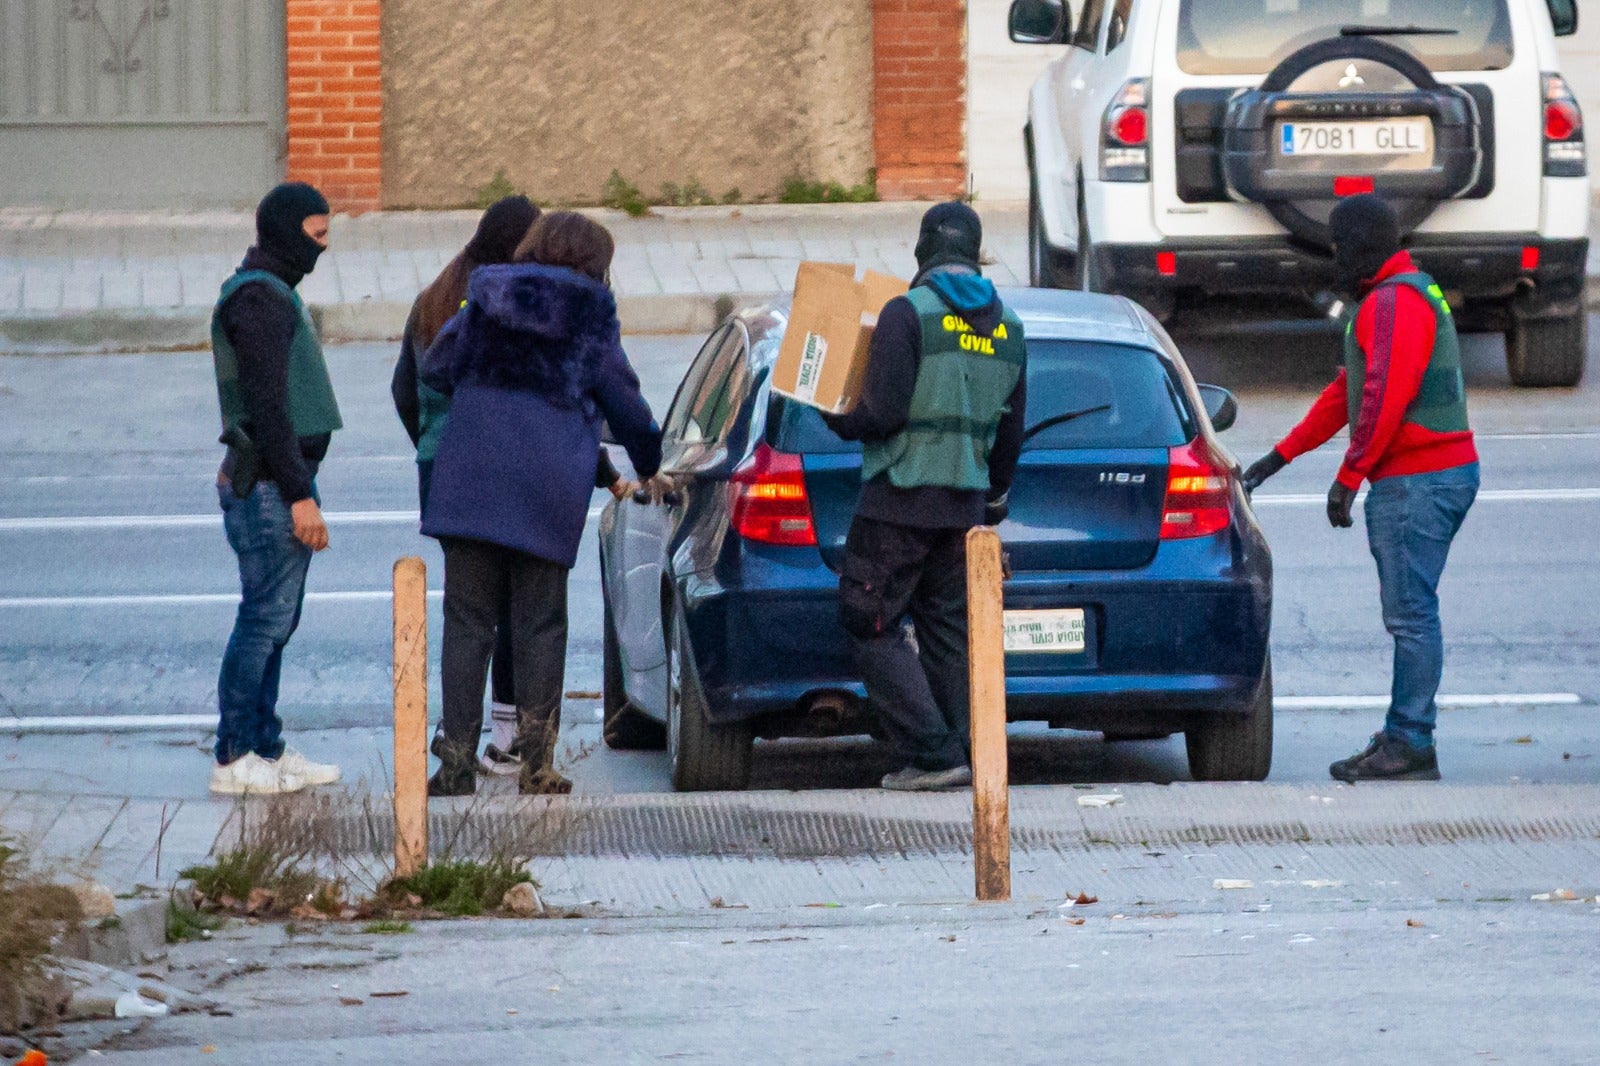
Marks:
<point>558,93</point>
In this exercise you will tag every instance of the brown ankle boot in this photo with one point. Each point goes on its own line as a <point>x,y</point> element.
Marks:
<point>536,744</point>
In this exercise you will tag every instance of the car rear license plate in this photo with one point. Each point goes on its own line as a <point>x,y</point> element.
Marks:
<point>1400,136</point>
<point>1061,630</point>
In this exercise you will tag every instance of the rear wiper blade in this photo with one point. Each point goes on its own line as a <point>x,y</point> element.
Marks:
<point>1396,31</point>
<point>1056,420</point>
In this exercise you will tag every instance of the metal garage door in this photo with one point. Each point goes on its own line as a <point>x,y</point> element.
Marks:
<point>140,103</point>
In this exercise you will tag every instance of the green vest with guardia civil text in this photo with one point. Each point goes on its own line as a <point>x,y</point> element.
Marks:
<point>312,407</point>
<point>1441,403</point>
<point>960,396</point>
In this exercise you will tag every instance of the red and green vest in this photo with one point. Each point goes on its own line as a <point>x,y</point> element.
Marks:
<point>312,407</point>
<point>962,387</point>
<point>1441,403</point>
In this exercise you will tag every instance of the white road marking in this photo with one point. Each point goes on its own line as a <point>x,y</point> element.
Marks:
<point>67,523</point>
<point>194,599</point>
<point>1304,499</point>
<point>1445,702</point>
<point>107,723</point>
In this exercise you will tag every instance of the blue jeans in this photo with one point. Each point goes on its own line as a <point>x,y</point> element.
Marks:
<point>1411,521</point>
<point>272,580</point>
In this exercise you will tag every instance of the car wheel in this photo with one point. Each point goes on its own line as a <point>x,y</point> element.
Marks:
<point>1048,266</point>
<point>625,728</point>
<point>1547,352</point>
<point>705,757</point>
<point>1234,747</point>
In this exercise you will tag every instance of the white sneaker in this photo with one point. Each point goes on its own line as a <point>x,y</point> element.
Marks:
<point>252,775</point>
<point>313,773</point>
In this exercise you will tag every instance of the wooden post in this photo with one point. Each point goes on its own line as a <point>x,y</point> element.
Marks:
<point>991,810</point>
<point>410,716</point>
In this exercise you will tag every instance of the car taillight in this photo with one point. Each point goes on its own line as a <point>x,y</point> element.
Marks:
<point>767,499</point>
<point>1125,135</point>
<point>1564,155</point>
<point>1198,492</point>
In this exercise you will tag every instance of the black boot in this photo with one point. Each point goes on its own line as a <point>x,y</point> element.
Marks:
<point>457,775</point>
<point>1388,759</point>
<point>536,745</point>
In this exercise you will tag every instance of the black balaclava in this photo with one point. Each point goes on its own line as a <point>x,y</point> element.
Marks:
<point>951,233</point>
<point>280,224</point>
<point>501,229</point>
<point>1366,235</point>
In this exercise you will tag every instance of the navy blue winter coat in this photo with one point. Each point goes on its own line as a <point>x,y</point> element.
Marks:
<point>533,363</point>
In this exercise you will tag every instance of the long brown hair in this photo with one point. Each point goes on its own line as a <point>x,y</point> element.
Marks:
<point>500,231</point>
<point>568,239</point>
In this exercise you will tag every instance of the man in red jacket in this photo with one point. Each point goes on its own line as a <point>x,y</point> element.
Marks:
<point>1401,392</point>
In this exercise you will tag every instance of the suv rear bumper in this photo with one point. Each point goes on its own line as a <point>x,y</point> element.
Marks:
<point>1470,266</point>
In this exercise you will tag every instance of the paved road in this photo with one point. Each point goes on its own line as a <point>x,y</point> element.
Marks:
<point>103,613</point>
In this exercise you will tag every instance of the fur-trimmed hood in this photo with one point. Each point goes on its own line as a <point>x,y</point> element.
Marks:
<point>545,330</point>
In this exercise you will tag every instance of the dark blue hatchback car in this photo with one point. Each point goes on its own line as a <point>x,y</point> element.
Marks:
<point>1141,593</point>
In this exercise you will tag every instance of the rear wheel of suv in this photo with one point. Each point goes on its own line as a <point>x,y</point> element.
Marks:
<point>1048,266</point>
<point>1547,352</point>
<point>705,757</point>
<point>1234,747</point>
<point>624,728</point>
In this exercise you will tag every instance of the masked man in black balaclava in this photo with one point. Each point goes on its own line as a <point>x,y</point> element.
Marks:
<point>278,414</point>
<point>940,419</point>
<point>1402,395</point>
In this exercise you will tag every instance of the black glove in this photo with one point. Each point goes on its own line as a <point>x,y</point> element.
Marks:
<point>1261,469</point>
<point>996,510</point>
<point>1339,501</point>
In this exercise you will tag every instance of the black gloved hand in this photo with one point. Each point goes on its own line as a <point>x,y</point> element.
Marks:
<point>996,510</point>
<point>1261,469</point>
<point>1339,501</point>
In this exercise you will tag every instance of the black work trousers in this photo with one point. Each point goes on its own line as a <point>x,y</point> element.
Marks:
<point>917,684</point>
<point>478,578</point>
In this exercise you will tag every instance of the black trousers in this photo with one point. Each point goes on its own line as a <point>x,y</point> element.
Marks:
<point>917,684</point>
<point>478,579</point>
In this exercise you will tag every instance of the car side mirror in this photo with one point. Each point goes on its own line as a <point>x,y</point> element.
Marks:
<point>1563,16</point>
<point>1043,21</point>
<point>1221,407</point>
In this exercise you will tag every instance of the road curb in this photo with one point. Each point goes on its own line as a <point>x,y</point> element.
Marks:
<point>189,328</point>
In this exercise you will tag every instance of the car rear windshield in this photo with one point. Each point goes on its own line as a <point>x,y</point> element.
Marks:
<point>1126,396</point>
<point>1253,36</point>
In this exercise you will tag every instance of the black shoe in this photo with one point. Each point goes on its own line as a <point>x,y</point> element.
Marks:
<point>449,781</point>
<point>1387,759</point>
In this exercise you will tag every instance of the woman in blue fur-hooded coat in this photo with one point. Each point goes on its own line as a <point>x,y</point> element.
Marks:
<point>533,364</point>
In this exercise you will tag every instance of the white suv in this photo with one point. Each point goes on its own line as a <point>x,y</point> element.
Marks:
<point>1184,149</point>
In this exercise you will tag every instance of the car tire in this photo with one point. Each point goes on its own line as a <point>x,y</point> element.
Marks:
<point>1547,352</point>
<point>624,727</point>
<point>705,757</point>
<point>1234,747</point>
<point>1048,266</point>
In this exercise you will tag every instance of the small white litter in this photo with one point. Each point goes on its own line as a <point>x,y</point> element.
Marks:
<point>1301,938</point>
<point>1100,799</point>
<point>1224,883</point>
<point>133,1005</point>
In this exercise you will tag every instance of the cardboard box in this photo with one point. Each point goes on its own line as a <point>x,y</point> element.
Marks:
<point>823,359</point>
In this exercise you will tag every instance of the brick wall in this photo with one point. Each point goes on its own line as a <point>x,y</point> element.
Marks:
<point>919,79</point>
<point>336,100</point>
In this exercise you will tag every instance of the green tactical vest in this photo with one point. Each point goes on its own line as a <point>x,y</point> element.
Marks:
<point>961,392</point>
<point>312,407</point>
<point>1441,403</point>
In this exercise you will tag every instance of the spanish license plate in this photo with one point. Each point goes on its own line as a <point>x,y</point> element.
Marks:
<point>1052,631</point>
<point>1400,136</point>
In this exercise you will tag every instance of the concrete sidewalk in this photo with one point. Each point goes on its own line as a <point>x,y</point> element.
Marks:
<point>90,281</point>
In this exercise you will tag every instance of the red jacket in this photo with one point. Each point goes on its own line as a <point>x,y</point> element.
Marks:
<point>1395,329</point>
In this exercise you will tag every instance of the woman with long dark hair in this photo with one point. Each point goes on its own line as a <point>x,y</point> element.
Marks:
<point>532,364</point>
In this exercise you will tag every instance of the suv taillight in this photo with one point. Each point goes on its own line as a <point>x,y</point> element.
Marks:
<point>1197,493</point>
<point>1125,134</point>
<point>767,499</point>
<point>1563,131</point>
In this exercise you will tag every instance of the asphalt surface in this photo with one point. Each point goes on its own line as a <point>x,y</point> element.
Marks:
<point>117,588</point>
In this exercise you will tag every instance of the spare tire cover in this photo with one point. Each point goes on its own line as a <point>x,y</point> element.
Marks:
<point>1345,65</point>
